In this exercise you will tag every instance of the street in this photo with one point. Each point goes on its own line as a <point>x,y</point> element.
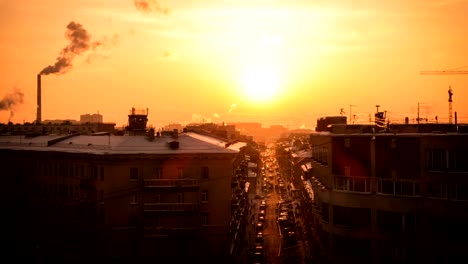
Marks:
<point>279,239</point>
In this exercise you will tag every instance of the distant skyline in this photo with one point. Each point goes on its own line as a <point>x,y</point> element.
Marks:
<point>272,62</point>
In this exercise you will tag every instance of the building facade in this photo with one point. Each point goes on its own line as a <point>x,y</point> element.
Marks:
<point>76,196</point>
<point>399,196</point>
<point>94,118</point>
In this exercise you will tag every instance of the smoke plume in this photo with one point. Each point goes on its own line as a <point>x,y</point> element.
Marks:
<point>149,6</point>
<point>79,43</point>
<point>11,99</point>
<point>100,48</point>
<point>197,118</point>
<point>232,107</point>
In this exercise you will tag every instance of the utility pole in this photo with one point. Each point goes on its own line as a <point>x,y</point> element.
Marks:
<point>418,114</point>
<point>350,113</point>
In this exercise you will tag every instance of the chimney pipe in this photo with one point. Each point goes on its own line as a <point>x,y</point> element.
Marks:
<point>38,117</point>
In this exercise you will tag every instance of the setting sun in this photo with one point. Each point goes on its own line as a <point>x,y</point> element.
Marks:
<point>261,82</point>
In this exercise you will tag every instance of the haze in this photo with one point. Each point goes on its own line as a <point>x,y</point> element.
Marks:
<point>273,62</point>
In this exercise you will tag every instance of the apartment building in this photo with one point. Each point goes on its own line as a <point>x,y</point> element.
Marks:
<point>76,196</point>
<point>396,196</point>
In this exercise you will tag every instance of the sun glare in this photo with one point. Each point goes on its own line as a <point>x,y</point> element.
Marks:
<point>261,82</point>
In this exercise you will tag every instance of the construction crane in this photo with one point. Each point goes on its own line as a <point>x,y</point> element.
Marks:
<point>450,91</point>
<point>448,72</point>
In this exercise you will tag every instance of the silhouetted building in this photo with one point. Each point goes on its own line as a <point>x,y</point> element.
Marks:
<point>394,197</point>
<point>137,120</point>
<point>224,132</point>
<point>77,196</point>
<point>94,118</point>
<point>171,127</point>
<point>61,128</point>
<point>324,123</point>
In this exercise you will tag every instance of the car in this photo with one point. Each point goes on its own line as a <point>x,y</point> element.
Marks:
<point>261,218</point>
<point>262,212</point>
<point>259,238</point>
<point>259,227</point>
<point>284,213</point>
<point>282,219</point>
<point>258,248</point>
<point>258,253</point>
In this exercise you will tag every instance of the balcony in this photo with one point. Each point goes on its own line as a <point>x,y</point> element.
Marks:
<point>170,183</point>
<point>399,187</point>
<point>352,184</point>
<point>170,207</point>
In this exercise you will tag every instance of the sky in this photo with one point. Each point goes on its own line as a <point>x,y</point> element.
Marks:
<point>268,61</point>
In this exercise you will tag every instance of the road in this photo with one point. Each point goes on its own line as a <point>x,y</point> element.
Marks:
<point>276,250</point>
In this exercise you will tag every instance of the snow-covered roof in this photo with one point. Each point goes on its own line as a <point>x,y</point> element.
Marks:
<point>110,144</point>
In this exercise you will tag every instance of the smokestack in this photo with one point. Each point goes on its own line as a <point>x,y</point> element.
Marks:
<point>38,117</point>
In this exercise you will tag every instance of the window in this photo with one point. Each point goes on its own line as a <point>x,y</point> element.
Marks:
<point>204,196</point>
<point>179,222</point>
<point>102,174</point>
<point>347,143</point>
<point>180,197</point>
<point>205,173</point>
<point>204,219</point>
<point>400,187</point>
<point>157,220</point>
<point>133,174</point>
<point>324,156</point>
<point>347,171</point>
<point>133,198</point>
<point>92,172</point>
<point>324,212</point>
<point>436,160</point>
<point>102,216</point>
<point>132,220</point>
<point>158,173</point>
<point>352,184</point>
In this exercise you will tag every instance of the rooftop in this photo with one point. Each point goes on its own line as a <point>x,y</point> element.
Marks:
<point>188,143</point>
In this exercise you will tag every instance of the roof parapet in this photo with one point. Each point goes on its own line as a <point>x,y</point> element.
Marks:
<point>55,141</point>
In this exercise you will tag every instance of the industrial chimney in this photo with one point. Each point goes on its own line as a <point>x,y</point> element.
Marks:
<point>38,117</point>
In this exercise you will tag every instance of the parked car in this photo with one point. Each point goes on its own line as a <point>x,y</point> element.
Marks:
<point>259,227</point>
<point>259,238</point>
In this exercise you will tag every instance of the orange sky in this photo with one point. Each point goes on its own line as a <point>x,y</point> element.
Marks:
<point>274,62</point>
